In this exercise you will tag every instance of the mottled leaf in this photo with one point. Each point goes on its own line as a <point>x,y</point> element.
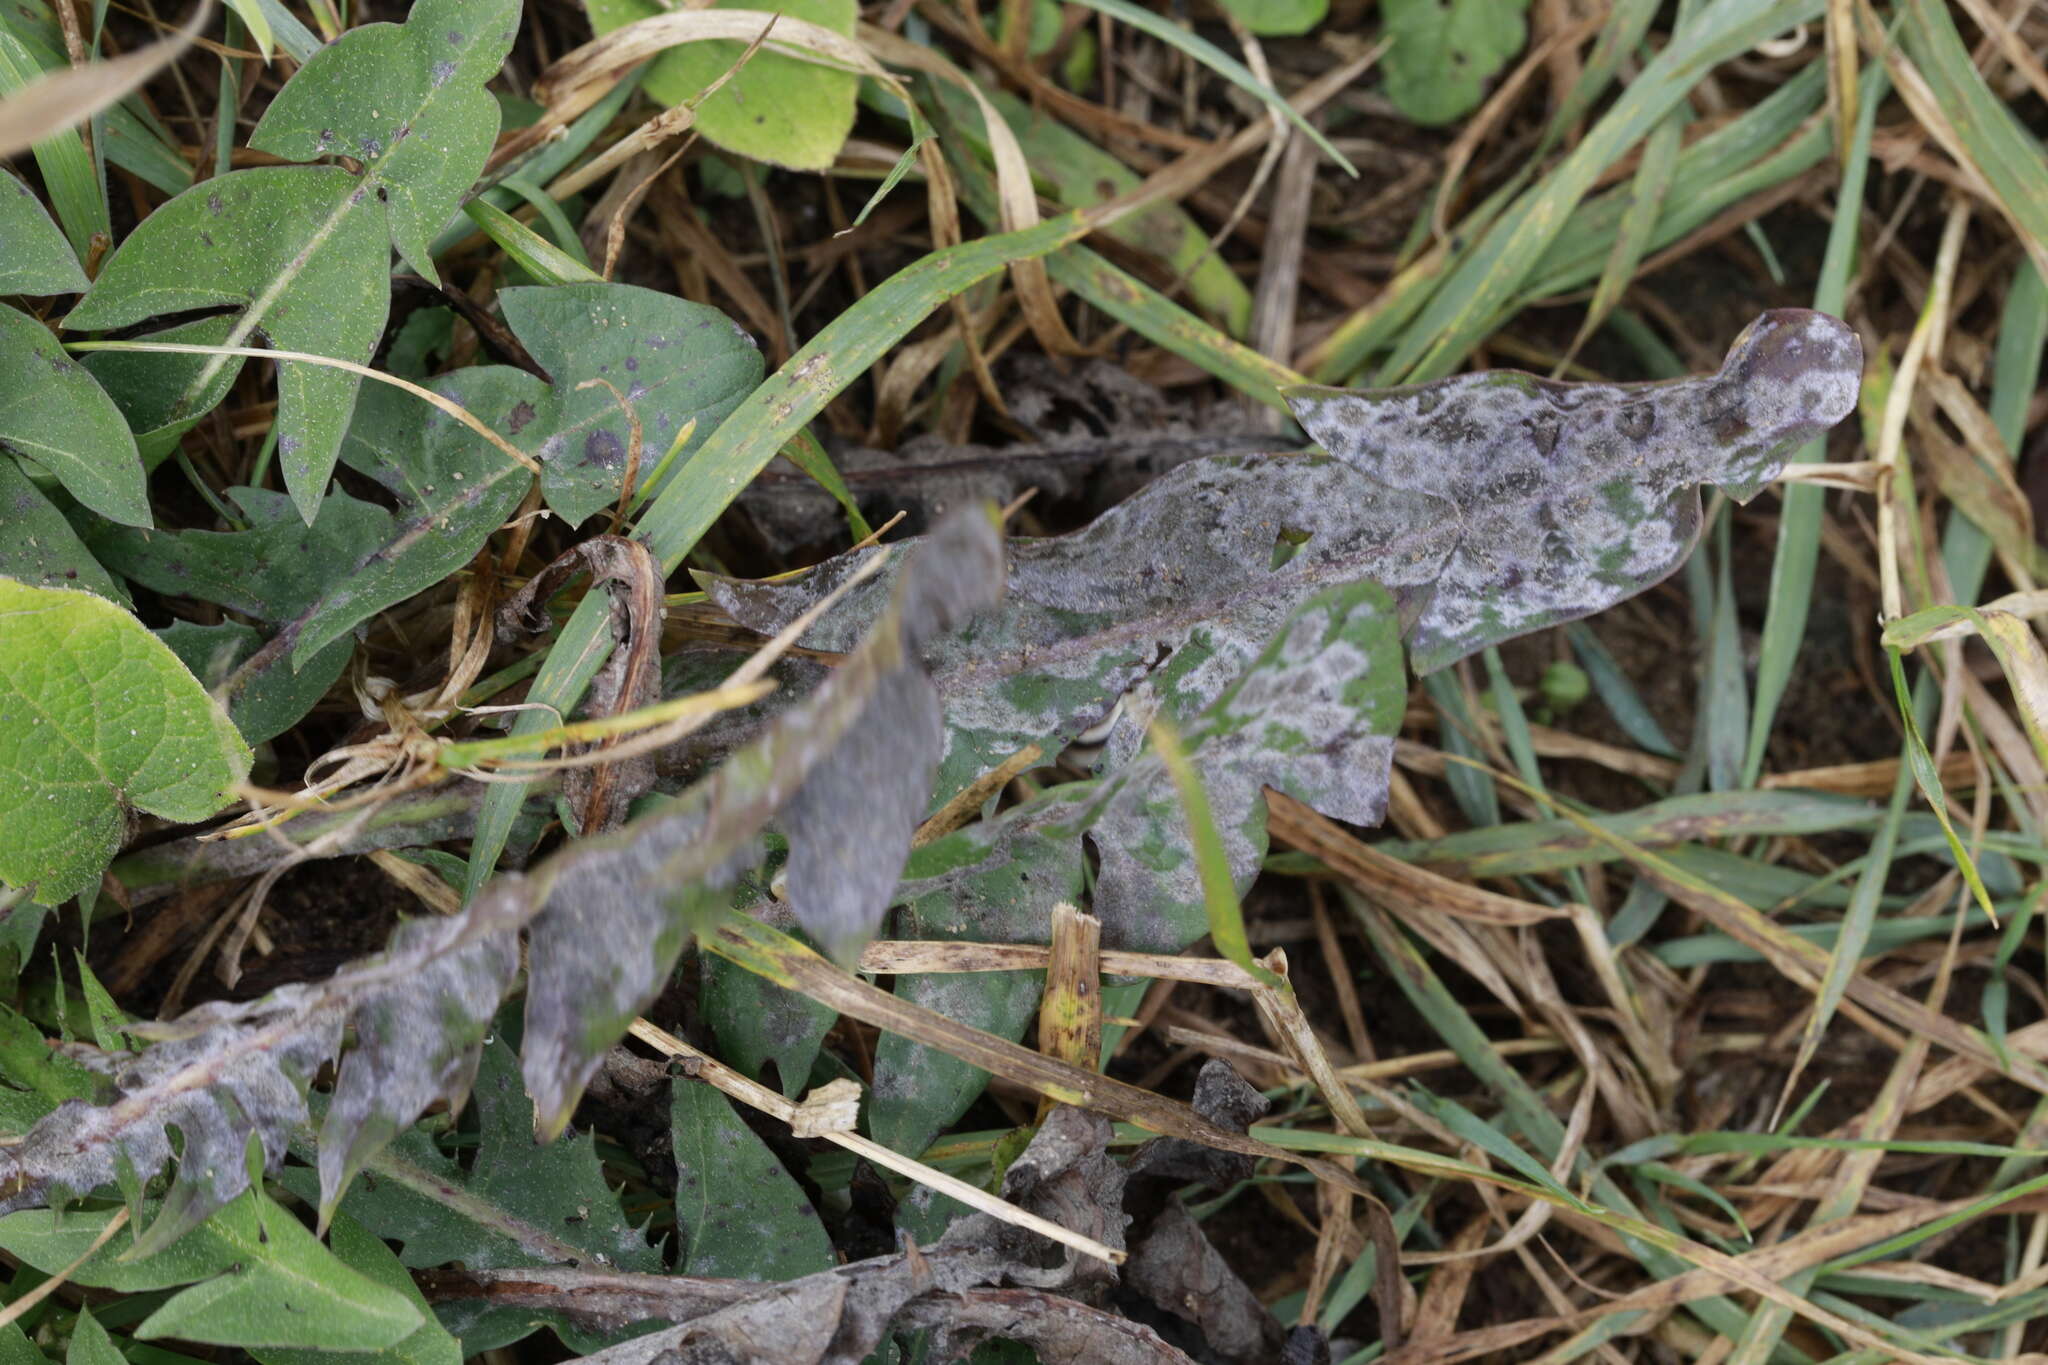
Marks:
<point>744,1215</point>
<point>300,251</point>
<point>1167,597</point>
<point>1444,52</point>
<point>1557,500</point>
<point>247,1260</point>
<point>757,1022</point>
<point>1314,717</point>
<point>34,257</point>
<point>777,109</point>
<point>53,412</point>
<point>39,546</point>
<point>97,718</point>
<point>647,885</point>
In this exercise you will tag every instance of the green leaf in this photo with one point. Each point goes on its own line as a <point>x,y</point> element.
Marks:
<point>519,1203</point>
<point>757,1022</point>
<point>34,1079</point>
<point>300,251</point>
<point>34,257</point>
<point>53,412</point>
<point>1081,175</point>
<point>97,717</point>
<point>746,1217</point>
<point>252,1261</point>
<point>39,547</point>
<point>90,1344</point>
<point>1444,52</point>
<point>273,572</point>
<point>365,1253</point>
<point>674,362</point>
<point>778,109</point>
<point>1278,18</point>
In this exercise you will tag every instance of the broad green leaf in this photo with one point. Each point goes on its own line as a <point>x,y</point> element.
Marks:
<point>53,412</point>
<point>365,1253</point>
<point>518,1203</point>
<point>1081,175</point>
<point>1278,18</point>
<point>151,389</point>
<point>757,1022</point>
<point>17,1349</point>
<point>745,1216</point>
<point>300,251</point>
<point>250,1260</point>
<point>90,1344</point>
<point>274,571</point>
<point>1444,52</point>
<point>33,1078</point>
<point>675,363</point>
<point>34,257</point>
<point>97,718</point>
<point>1559,500</point>
<point>38,546</point>
<point>777,109</point>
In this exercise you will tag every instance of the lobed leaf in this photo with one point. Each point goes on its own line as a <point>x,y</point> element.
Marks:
<point>848,769</point>
<point>299,252</point>
<point>1444,51</point>
<point>1563,499</point>
<point>1314,717</point>
<point>745,1216</point>
<point>97,718</point>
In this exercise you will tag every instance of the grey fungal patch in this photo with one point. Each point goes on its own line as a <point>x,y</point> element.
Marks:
<point>1546,528</point>
<point>443,72</point>
<point>521,414</point>
<point>604,449</point>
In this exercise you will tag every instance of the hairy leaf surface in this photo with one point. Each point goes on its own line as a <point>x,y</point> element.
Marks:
<point>97,718</point>
<point>300,251</point>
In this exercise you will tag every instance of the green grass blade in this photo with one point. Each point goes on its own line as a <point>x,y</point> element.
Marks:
<point>1798,552</point>
<point>1219,890</point>
<point>531,252</point>
<point>1222,63</point>
<point>1471,301</point>
<point>762,424</point>
<point>1924,773</point>
<point>2022,334</point>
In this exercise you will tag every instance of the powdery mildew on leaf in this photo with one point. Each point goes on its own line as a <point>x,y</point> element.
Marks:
<point>618,908</point>
<point>1563,499</point>
<point>1314,717</point>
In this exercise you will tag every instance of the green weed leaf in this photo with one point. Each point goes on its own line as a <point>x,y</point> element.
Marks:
<point>34,257</point>
<point>300,251</point>
<point>97,718</point>
<point>40,547</point>
<point>1278,18</point>
<point>781,110</point>
<point>365,1253</point>
<point>248,1259</point>
<point>53,412</point>
<point>1444,52</point>
<point>519,1203</point>
<point>746,1216</point>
